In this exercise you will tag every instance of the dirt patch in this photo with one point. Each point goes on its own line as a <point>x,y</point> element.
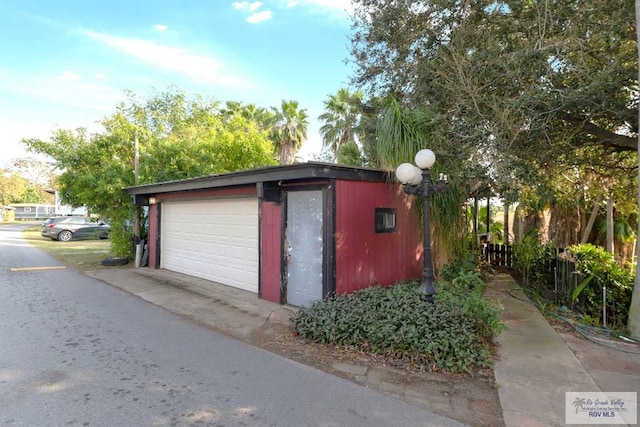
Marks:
<point>470,399</point>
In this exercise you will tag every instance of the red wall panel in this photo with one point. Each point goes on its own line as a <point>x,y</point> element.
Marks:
<point>364,257</point>
<point>270,251</point>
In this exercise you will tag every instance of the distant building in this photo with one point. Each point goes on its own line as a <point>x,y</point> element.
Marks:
<point>6,213</point>
<point>65,210</point>
<point>32,211</point>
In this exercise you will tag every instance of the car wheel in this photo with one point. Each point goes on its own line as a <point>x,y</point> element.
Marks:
<point>65,236</point>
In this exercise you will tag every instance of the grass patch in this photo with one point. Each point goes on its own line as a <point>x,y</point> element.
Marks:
<point>81,255</point>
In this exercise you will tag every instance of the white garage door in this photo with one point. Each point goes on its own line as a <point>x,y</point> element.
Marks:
<point>215,240</point>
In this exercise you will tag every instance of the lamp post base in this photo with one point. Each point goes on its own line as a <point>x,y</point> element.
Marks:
<point>428,290</point>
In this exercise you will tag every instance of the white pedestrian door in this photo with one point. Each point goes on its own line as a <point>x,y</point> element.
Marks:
<point>304,247</point>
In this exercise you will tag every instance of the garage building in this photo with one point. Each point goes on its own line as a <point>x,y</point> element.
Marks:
<point>290,234</point>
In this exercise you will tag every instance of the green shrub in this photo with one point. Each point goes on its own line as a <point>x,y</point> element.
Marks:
<point>453,334</point>
<point>533,261</point>
<point>471,262</point>
<point>121,238</point>
<point>467,292</point>
<point>599,270</point>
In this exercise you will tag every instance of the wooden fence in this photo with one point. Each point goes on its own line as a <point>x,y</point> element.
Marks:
<point>566,280</point>
<point>562,276</point>
<point>497,255</point>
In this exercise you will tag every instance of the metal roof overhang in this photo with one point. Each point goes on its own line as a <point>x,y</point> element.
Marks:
<point>295,172</point>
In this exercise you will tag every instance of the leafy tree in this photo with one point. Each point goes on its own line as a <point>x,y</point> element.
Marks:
<point>523,89</point>
<point>523,73</point>
<point>402,132</point>
<point>15,188</point>
<point>517,87</point>
<point>35,171</point>
<point>8,188</point>
<point>325,156</point>
<point>261,116</point>
<point>634,309</point>
<point>289,130</point>
<point>178,138</point>
<point>94,171</point>
<point>31,195</point>
<point>349,154</point>
<point>341,119</point>
<point>26,180</point>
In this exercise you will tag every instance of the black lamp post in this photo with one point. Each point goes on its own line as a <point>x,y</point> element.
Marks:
<point>416,180</point>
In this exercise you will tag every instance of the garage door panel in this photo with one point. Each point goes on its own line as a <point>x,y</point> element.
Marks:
<point>215,239</point>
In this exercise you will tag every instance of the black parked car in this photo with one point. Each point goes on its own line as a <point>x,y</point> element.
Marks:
<point>65,228</point>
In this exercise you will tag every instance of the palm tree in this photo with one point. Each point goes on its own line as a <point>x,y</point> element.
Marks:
<point>289,130</point>
<point>262,116</point>
<point>341,119</point>
<point>230,109</point>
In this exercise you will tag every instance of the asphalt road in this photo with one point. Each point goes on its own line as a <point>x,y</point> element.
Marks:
<point>77,352</point>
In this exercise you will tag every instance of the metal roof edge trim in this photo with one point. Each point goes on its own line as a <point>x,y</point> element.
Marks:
<point>297,171</point>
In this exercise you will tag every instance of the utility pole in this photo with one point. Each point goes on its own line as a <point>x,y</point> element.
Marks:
<point>136,157</point>
<point>136,213</point>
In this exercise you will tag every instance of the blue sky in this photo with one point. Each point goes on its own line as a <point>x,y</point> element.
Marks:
<point>66,64</point>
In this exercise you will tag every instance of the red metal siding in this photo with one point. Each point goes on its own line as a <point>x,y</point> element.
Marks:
<point>218,192</point>
<point>270,250</point>
<point>153,234</point>
<point>364,257</point>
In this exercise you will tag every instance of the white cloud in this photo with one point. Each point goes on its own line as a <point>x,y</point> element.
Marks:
<point>198,67</point>
<point>265,15</point>
<point>334,7</point>
<point>245,5</point>
<point>100,76</point>
<point>255,17</point>
<point>160,27</point>
<point>68,75</point>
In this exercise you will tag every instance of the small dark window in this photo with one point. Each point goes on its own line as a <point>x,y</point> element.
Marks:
<point>385,220</point>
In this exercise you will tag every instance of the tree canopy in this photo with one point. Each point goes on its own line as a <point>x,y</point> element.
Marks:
<point>537,101</point>
<point>529,97</point>
<point>26,180</point>
<point>341,119</point>
<point>178,138</point>
<point>289,130</point>
<point>16,189</point>
<point>514,84</point>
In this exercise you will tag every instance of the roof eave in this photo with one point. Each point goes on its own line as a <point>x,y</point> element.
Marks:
<point>300,171</point>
